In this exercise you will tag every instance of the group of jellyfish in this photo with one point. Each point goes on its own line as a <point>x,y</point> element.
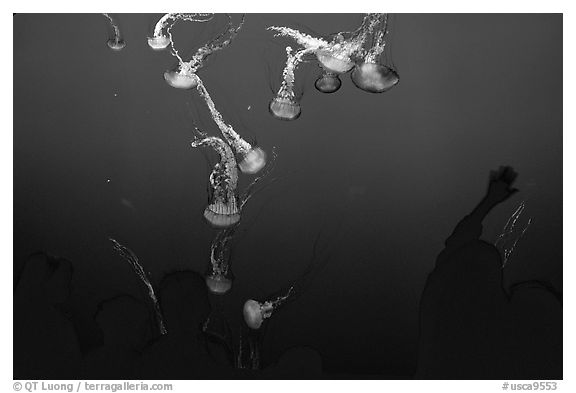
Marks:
<point>359,51</point>
<point>236,157</point>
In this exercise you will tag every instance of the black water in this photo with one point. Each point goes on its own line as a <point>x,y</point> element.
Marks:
<point>101,149</point>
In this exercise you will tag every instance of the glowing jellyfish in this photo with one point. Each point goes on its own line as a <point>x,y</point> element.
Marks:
<point>219,277</point>
<point>184,75</point>
<point>371,75</point>
<point>284,105</point>
<point>132,259</point>
<point>511,234</point>
<point>252,158</point>
<point>224,206</point>
<point>256,312</point>
<point>340,53</point>
<point>161,37</point>
<point>328,82</point>
<point>115,42</point>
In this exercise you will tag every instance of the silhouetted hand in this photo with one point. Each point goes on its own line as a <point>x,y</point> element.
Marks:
<point>500,185</point>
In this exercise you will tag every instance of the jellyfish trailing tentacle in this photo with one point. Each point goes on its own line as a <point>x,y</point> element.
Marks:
<point>252,158</point>
<point>218,43</point>
<point>370,75</point>
<point>256,312</point>
<point>160,38</point>
<point>251,189</point>
<point>219,277</point>
<point>132,259</point>
<point>116,42</point>
<point>184,76</point>
<point>223,208</point>
<point>284,105</point>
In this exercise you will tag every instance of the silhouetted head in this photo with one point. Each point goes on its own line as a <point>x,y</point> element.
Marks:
<point>328,83</point>
<point>284,109</point>
<point>124,322</point>
<point>158,43</point>
<point>482,267</point>
<point>184,302</point>
<point>374,78</point>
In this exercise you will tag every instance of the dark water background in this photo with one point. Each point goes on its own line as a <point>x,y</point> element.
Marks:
<point>397,170</point>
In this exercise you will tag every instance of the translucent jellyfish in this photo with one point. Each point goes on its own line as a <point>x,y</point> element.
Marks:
<point>371,75</point>
<point>512,233</point>
<point>328,82</point>
<point>252,158</point>
<point>161,38</point>
<point>285,105</point>
<point>256,312</point>
<point>219,277</point>
<point>115,42</point>
<point>184,75</point>
<point>224,206</point>
<point>341,52</point>
<point>132,259</point>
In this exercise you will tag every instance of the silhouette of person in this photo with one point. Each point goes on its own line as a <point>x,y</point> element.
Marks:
<point>45,341</point>
<point>468,320</point>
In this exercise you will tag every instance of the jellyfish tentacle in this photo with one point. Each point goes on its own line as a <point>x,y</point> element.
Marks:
<point>223,209</point>
<point>132,259</point>
<point>218,43</point>
<point>253,157</point>
<point>219,277</point>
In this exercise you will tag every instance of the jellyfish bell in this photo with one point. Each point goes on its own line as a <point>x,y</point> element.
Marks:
<point>374,78</point>
<point>158,42</point>
<point>253,161</point>
<point>328,83</point>
<point>334,63</point>
<point>221,216</point>
<point>253,315</point>
<point>116,45</point>
<point>218,284</point>
<point>284,108</point>
<point>181,80</point>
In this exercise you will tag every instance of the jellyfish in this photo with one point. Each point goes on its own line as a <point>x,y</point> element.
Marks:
<point>115,42</point>
<point>161,38</point>
<point>223,208</point>
<point>284,105</point>
<point>256,312</point>
<point>224,203</point>
<point>184,75</point>
<point>340,53</point>
<point>511,234</point>
<point>252,158</point>
<point>371,75</point>
<point>219,277</point>
<point>328,82</point>
<point>132,259</point>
